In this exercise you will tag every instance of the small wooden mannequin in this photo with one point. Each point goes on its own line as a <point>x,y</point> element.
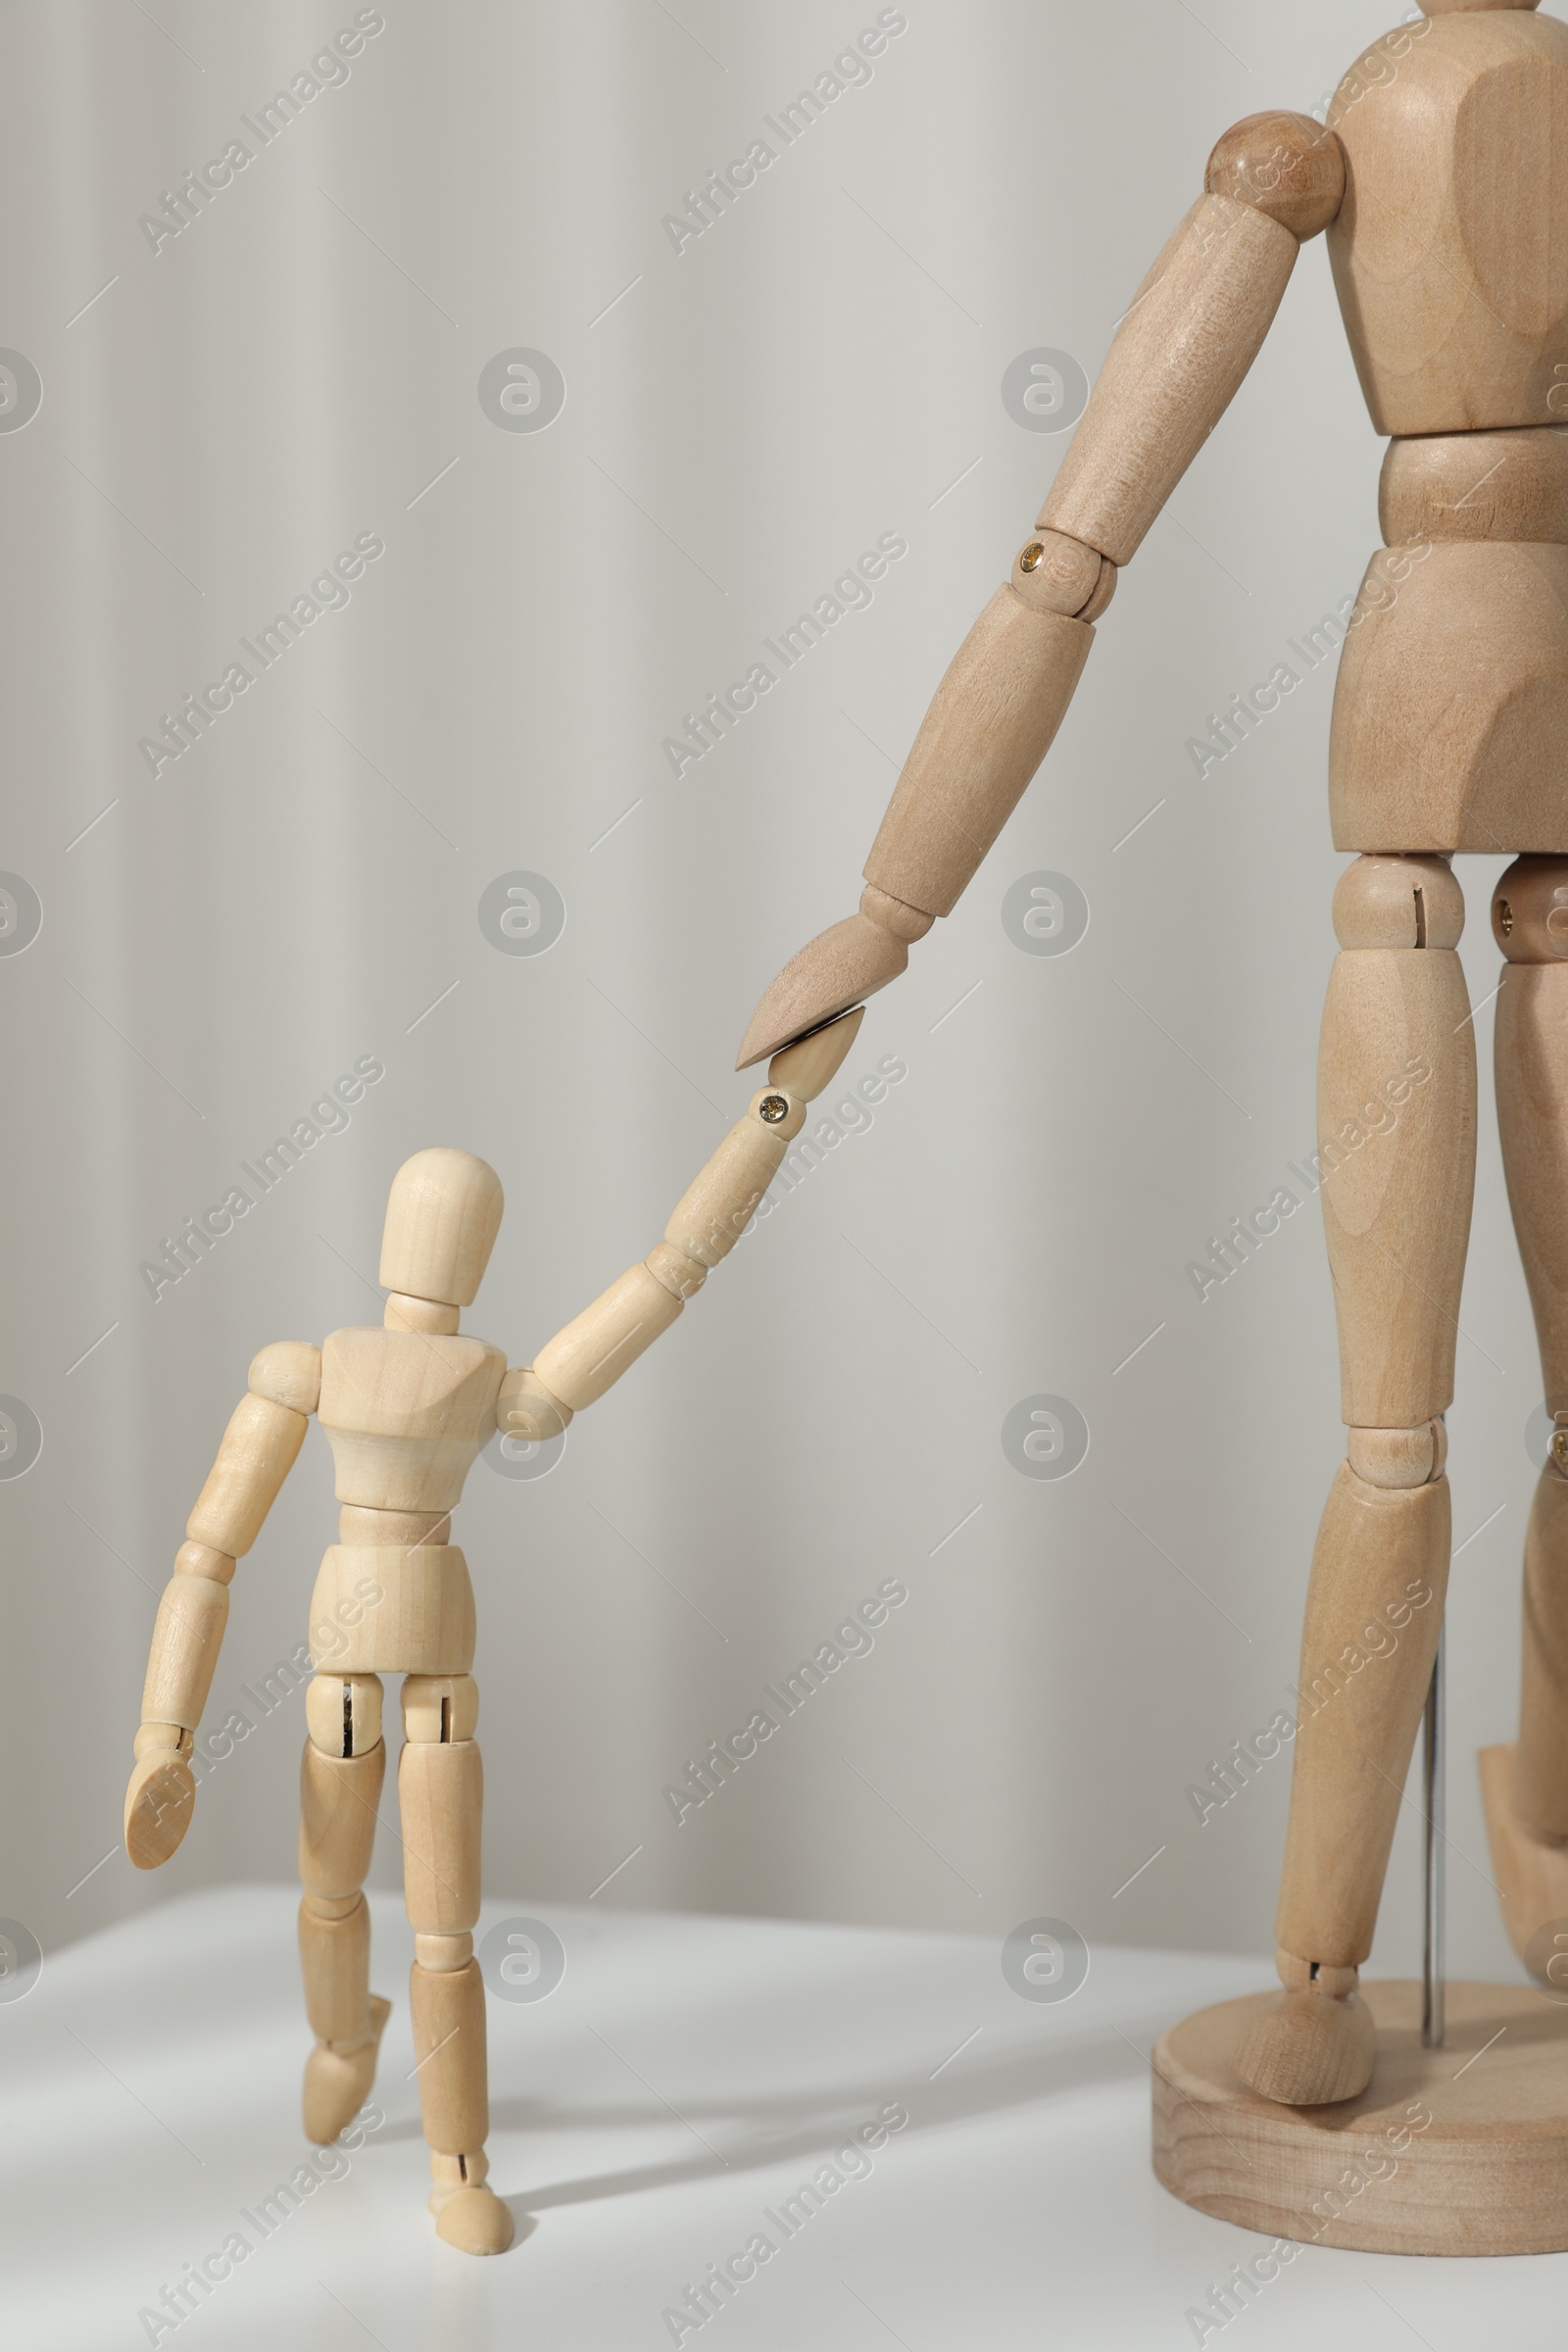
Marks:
<point>407,1409</point>
<point>1444,173</point>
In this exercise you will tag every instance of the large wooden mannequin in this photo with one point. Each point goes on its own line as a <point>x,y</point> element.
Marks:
<point>407,1409</point>
<point>1443,180</point>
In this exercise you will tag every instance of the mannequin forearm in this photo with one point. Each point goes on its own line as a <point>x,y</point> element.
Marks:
<point>590,1354</point>
<point>1179,355</point>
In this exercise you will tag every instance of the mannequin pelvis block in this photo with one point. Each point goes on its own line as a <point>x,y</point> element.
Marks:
<point>1450,712</point>
<point>390,1609</point>
<point>406,1413</point>
<point>1397,1127</point>
<point>1450,249</point>
<point>1502,485</point>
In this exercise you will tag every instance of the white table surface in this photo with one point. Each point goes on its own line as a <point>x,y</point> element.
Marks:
<point>685,2075</point>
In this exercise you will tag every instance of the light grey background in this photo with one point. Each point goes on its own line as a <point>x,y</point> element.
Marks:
<point>742,419</point>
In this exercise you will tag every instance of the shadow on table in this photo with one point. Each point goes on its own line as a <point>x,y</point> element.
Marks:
<point>774,2129</point>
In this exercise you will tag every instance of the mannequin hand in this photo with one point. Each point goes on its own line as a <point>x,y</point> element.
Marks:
<point>159,1802</point>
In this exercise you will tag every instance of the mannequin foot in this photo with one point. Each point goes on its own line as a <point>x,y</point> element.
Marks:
<point>469,2214</point>
<point>337,2083</point>
<point>1532,1871</point>
<point>1312,2047</point>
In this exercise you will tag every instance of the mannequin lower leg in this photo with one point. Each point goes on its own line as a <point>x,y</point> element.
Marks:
<point>1397,1118</point>
<point>441,1799</point>
<point>340,1782</point>
<point>1374,1608</point>
<point>1527,1806</point>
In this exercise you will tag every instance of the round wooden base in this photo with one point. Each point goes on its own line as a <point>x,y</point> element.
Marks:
<point>1462,2150</point>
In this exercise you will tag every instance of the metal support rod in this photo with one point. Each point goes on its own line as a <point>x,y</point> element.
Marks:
<point>1432,1781</point>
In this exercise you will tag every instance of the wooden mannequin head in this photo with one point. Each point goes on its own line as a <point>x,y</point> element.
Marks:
<point>442,1217</point>
<point>1451,8</point>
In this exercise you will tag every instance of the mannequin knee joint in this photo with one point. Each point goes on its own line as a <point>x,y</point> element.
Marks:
<point>1399,903</point>
<point>1399,1457</point>
<point>1530,911</point>
<point>343,1713</point>
<point>439,1706</point>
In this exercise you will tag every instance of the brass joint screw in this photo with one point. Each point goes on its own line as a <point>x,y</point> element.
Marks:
<point>773,1108</point>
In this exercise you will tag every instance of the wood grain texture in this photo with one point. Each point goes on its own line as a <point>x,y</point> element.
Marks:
<point>356,1524</point>
<point>159,1800</point>
<point>525,1408</point>
<point>905,922</point>
<point>1399,903</point>
<point>440,1811</point>
<point>1437,2156</point>
<point>844,964</point>
<point>1501,485</point>
<point>1541,1771</point>
<point>187,1639</point>
<point>592,1351</point>
<point>993,719</point>
<point>805,1068</point>
<point>338,1798</point>
<point>392,1609</point>
<point>1530,911</point>
<point>1450,249</point>
<point>1311,2048</point>
<point>1531,1062</point>
<point>338,2080</point>
<point>1397,1457</point>
<point>343,1712</point>
<point>289,1372</point>
<point>200,1559</point>
<point>442,1217</point>
<point>405,1313</point>
<point>1289,166</point>
<point>258,1451</point>
<point>1054,573</point>
<point>448,2053</point>
<point>1368,1638</point>
<point>1396,1129</point>
<point>161,1736</point>
<point>680,1275</point>
<point>439,1706</point>
<point>406,1414</point>
<point>1450,709</point>
<point>720,1200</point>
<point>440,1952</point>
<point>1531,1868</point>
<point>1179,355</point>
<point>471,2218</point>
<point>1098,603</point>
<point>335,1963</point>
